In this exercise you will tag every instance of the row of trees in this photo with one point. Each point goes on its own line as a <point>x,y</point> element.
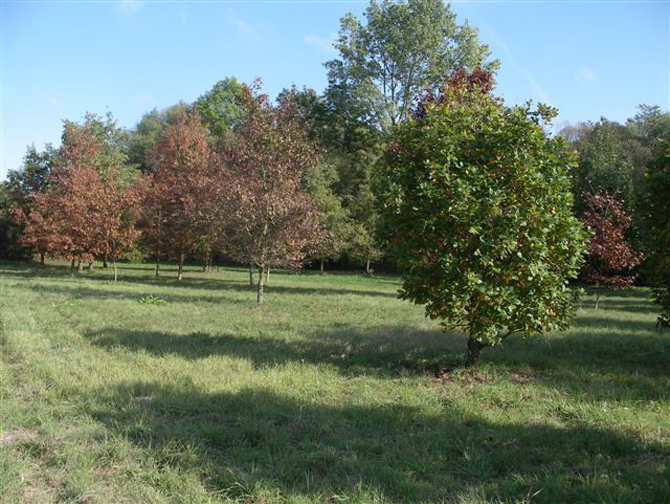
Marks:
<point>243,197</point>
<point>312,177</point>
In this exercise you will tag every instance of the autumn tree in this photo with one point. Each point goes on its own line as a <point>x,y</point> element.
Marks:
<point>116,222</point>
<point>175,215</point>
<point>475,205</point>
<point>611,260</point>
<point>65,219</point>
<point>273,219</point>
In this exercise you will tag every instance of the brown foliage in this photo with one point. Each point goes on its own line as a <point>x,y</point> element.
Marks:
<point>273,218</point>
<point>80,215</point>
<point>610,258</point>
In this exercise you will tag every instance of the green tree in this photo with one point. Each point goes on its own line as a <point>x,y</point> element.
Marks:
<point>142,139</point>
<point>655,208</point>
<point>402,51</point>
<point>18,193</point>
<point>220,108</point>
<point>475,205</point>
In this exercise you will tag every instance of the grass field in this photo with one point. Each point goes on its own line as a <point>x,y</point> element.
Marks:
<point>154,391</point>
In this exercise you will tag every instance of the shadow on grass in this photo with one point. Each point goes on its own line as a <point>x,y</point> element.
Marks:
<point>217,284</point>
<point>386,350</point>
<point>255,442</point>
<point>625,365</point>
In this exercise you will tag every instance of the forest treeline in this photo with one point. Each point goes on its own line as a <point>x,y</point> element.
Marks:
<point>291,181</point>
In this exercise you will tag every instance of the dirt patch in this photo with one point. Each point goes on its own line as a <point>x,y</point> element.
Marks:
<point>17,435</point>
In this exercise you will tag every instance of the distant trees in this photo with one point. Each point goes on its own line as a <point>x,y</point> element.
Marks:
<point>475,204</point>
<point>655,208</point>
<point>273,219</point>
<point>611,260</point>
<point>17,197</point>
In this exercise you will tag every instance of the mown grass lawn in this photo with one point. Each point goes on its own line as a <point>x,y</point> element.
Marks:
<point>154,391</point>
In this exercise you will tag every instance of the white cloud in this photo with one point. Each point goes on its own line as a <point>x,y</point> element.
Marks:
<point>586,75</point>
<point>245,30</point>
<point>320,43</point>
<point>130,5</point>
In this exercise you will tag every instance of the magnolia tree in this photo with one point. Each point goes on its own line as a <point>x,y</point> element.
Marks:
<point>656,213</point>
<point>177,198</point>
<point>273,219</point>
<point>611,260</point>
<point>475,204</point>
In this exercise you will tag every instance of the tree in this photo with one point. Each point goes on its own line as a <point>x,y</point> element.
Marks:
<point>605,163</point>
<point>351,150</point>
<point>273,219</point>
<point>18,193</point>
<point>175,206</point>
<point>610,258</point>
<point>404,50</point>
<point>334,222</point>
<point>475,205</point>
<point>65,219</point>
<point>116,223</point>
<point>220,108</point>
<point>655,208</point>
<point>142,139</point>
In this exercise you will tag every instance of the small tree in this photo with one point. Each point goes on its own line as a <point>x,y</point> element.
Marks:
<point>117,220</point>
<point>65,219</point>
<point>610,258</point>
<point>174,210</point>
<point>273,219</point>
<point>475,205</point>
<point>656,213</point>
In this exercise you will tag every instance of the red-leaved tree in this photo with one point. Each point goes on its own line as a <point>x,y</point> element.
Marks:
<point>81,215</point>
<point>610,259</point>
<point>273,220</point>
<point>177,200</point>
<point>64,219</point>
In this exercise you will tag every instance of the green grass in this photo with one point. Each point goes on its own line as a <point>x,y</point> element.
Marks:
<point>155,391</point>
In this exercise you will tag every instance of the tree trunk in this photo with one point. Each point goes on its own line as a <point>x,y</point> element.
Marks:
<point>105,261</point>
<point>72,267</point>
<point>322,266</point>
<point>267,276</point>
<point>158,265</point>
<point>367,266</point>
<point>261,284</point>
<point>474,347</point>
<point>42,255</point>
<point>597,295</point>
<point>180,275</point>
<point>115,272</point>
<point>80,266</point>
<point>210,264</point>
<point>90,266</point>
<point>251,275</point>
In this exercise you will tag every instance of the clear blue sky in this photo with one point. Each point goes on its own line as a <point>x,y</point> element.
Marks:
<point>61,59</point>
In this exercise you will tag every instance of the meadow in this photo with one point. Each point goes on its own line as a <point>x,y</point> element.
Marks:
<point>151,390</point>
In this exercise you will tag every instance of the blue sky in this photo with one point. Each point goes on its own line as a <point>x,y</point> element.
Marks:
<point>61,59</point>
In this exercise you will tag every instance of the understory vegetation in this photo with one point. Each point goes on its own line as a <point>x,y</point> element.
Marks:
<point>158,391</point>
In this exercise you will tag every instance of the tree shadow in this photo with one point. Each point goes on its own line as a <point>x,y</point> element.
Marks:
<point>84,292</point>
<point>386,350</point>
<point>190,282</point>
<point>256,441</point>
